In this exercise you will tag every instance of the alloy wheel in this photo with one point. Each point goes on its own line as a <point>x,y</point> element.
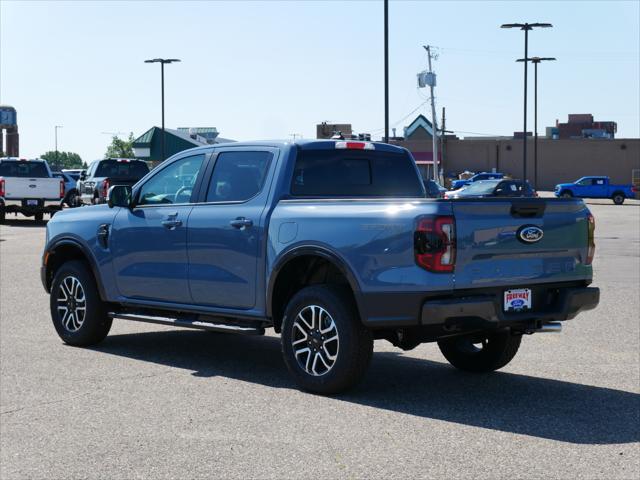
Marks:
<point>315,340</point>
<point>72,303</point>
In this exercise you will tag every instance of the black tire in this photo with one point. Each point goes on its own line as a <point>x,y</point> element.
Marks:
<point>94,326</point>
<point>618,198</point>
<point>38,217</point>
<point>2,215</point>
<point>70,200</point>
<point>566,194</point>
<point>497,350</point>
<point>351,351</point>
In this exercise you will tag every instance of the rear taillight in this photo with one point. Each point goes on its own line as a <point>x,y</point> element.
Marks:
<point>105,187</point>
<point>61,189</point>
<point>434,243</point>
<point>1,187</point>
<point>635,189</point>
<point>591,229</point>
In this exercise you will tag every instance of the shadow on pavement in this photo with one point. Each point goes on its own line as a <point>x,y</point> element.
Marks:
<point>553,409</point>
<point>26,222</point>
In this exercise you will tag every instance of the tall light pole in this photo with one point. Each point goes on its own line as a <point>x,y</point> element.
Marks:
<point>526,27</point>
<point>55,129</point>
<point>535,61</point>
<point>386,71</point>
<point>162,62</point>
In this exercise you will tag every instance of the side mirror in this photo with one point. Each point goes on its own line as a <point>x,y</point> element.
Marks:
<point>83,175</point>
<point>119,196</point>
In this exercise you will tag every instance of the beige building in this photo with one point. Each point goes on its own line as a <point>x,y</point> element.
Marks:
<point>559,160</point>
<point>326,130</point>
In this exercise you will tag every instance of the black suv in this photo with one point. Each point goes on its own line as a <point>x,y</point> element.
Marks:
<point>102,174</point>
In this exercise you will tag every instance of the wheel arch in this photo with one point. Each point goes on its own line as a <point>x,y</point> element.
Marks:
<point>311,258</point>
<point>64,250</point>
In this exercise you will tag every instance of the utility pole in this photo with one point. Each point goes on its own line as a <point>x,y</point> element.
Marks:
<point>443,132</point>
<point>386,71</point>
<point>55,128</point>
<point>434,125</point>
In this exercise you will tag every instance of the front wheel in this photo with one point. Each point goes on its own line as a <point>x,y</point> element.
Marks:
<point>79,315</point>
<point>618,198</point>
<point>325,346</point>
<point>482,352</point>
<point>566,195</point>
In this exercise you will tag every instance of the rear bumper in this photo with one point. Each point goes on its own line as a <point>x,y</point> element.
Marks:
<point>21,204</point>
<point>568,302</point>
<point>482,307</point>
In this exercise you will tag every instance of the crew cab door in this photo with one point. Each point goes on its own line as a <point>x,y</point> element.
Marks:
<point>149,241</point>
<point>226,229</point>
<point>599,187</point>
<point>583,187</point>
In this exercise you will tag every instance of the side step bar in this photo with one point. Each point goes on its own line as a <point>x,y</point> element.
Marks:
<point>189,323</point>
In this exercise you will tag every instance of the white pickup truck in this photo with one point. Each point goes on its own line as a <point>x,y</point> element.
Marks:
<point>29,188</point>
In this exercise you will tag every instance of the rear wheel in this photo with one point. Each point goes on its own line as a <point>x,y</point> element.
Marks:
<point>325,346</point>
<point>618,198</point>
<point>480,353</point>
<point>2,215</point>
<point>71,200</point>
<point>79,315</point>
<point>38,217</point>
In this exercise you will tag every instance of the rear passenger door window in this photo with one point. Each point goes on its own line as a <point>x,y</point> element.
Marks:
<point>238,176</point>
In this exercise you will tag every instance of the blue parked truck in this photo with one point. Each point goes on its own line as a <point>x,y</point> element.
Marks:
<point>330,243</point>
<point>595,187</point>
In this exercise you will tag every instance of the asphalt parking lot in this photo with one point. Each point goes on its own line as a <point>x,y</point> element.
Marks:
<point>155,402</point>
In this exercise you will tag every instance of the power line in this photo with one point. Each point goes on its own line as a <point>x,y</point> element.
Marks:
<point>402,119</point>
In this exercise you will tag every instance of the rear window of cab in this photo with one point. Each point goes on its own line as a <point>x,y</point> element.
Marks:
<point>12,168</point>
<point>355,173</point>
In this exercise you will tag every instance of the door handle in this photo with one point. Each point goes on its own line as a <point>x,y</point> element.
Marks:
<point>171,224</point>
<point>241,223</point>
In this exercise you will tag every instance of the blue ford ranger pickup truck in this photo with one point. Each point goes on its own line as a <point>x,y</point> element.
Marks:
<point>330,243</point>
<point>596,187</point>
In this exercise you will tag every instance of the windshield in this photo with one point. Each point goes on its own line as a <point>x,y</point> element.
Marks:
<point>125,170</point>
<point>23,169</point>
<point>481,187</point>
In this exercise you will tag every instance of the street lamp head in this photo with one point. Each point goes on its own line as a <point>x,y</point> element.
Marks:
<point>162,60</point>
<point>536,59</point>
<point>526,26</point>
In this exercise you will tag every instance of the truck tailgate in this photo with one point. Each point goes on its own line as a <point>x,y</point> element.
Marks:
<point>491,250</point>
<point>38,188</point>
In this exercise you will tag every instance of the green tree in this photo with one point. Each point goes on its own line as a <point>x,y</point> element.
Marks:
<point>120,148</point>
<point>60,160</point>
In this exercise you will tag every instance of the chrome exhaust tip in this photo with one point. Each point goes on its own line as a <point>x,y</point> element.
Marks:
<point>551,327</point>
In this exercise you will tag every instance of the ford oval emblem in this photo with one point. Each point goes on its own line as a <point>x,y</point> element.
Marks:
<point>530,234</point>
